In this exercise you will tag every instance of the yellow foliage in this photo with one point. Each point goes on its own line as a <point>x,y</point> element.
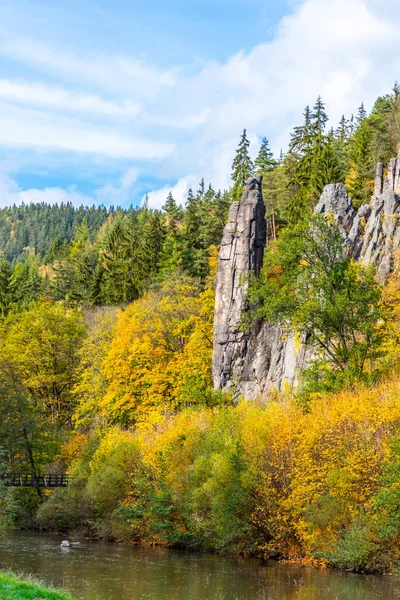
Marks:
<point>111,439</point>
<point>74,446</point>
<point>391,298</point>
<point>161,353</point>
<point>92,383</point>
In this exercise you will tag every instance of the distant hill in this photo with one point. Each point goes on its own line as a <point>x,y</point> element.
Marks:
<point>34,227</point>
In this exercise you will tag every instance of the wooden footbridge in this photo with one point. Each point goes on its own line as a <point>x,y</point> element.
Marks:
<point>32,480</point>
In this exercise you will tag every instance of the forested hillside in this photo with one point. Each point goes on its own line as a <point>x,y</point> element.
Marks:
<point>106,335</point>
<point>36,228</point>
<point>109,257</point>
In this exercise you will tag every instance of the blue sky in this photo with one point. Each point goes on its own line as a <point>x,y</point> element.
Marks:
<point>105,101</point>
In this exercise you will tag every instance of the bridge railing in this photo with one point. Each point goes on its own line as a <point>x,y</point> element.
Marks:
<point>50,480</point>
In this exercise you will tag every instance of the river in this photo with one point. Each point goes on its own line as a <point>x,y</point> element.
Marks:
<point>92,570</point>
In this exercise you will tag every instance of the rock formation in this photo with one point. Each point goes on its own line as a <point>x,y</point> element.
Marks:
<point>241,253</point>
<point>255,362</point>
<point>372,235</point>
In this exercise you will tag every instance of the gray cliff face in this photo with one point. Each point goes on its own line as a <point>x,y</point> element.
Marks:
<point>242,251</point>
<point>264,358</point>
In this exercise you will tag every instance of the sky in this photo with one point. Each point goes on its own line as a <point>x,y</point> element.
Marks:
<point>104,102</point>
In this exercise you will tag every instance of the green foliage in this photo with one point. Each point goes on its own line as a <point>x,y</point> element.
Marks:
<point>312,287</point>
<point>314,161</point>
<point>40,346</point>
<point>13,587</point>
<point>242,167</point>
<point>357,550</point>
<point>220,484</point>
<point>99,257</point>
<point>265,159</point>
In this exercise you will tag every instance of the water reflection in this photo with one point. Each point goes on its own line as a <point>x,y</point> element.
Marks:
<point>90,570</point>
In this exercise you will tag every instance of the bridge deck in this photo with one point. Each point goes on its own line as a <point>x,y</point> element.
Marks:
<point>32,480</point>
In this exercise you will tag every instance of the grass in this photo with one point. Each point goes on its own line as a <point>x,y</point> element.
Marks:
<point>16,588</point>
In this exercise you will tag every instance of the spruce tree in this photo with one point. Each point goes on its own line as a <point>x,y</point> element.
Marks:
<point>329,169</point>
<point>265,160</point>
<point>342,132</point>
<point>242,167</point>
<point>300,138</point>
<point>152,241</point>
<point>6,292</point>
<point>308,168</point>
<point>341,144</point>
<point>362,113</point>
<point>319,117</point>
<point>362,166</point>
<point>352,125</point>
<point>171,208</point>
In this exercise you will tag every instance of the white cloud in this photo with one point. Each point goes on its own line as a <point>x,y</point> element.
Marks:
<point>36,129</point>
<point>11,193</point>
<point>177,123</point>
<point>56,98</point>
<point>179,191</point>
<point>114,73</point>
<point>121,193</point>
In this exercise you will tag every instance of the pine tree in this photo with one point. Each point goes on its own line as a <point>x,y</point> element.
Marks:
<point>242,167</point>
<point>145,203</point>
<point>396,90</point>
<point>202,189</point>
<point>341,144</point>
<point>315,165</point>
<point>265,160</point>
<point>308,167</point>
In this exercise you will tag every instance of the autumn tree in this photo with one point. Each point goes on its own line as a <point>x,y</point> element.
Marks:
<point>42,345</point>
<point>161,355</point>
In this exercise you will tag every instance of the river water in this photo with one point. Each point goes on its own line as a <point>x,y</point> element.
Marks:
<point>92,570</point>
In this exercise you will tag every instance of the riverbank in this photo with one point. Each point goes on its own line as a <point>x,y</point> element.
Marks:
<point>16,588</point>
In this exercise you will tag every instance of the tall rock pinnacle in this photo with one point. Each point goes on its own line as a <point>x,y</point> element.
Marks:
<point>242,251</point>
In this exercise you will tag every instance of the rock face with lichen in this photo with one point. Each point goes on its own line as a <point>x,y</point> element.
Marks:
<point>255,362</point>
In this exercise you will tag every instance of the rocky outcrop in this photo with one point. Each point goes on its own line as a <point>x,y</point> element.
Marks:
<point>241,253</point>
<point>372,235</point>
<point>264,358</point>
<point>252,362</point>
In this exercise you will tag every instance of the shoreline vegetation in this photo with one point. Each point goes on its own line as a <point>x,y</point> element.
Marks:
<point>16,587</point>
